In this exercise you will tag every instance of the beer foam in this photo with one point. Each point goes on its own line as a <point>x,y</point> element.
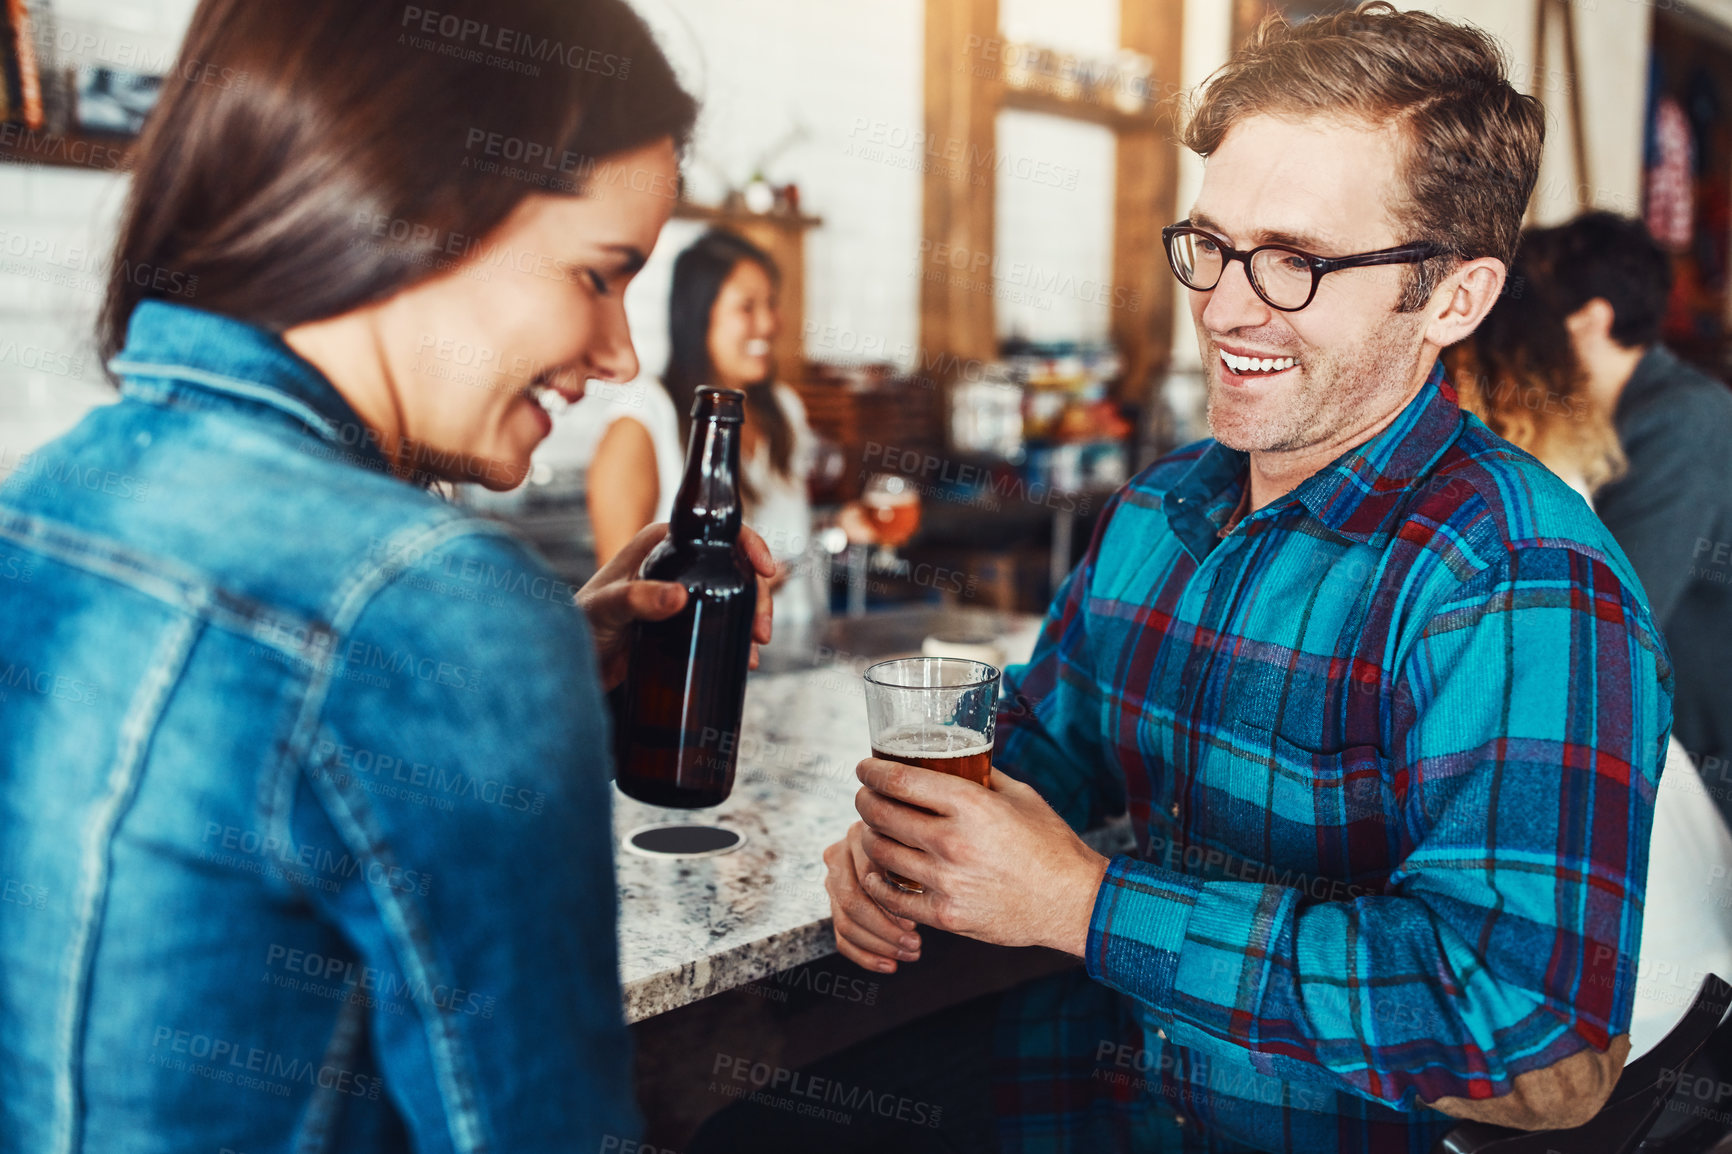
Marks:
<point>933,741</point>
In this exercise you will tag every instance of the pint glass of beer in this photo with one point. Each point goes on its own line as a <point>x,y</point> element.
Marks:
<point>934,712</point>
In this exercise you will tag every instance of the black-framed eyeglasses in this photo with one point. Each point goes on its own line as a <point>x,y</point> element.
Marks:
<point>1284,278</point>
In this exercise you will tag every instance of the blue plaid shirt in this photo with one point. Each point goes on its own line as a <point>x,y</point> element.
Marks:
<point>1390,748</point>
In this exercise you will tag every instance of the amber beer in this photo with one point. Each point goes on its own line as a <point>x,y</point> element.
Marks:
<point>893,508</point>
<point>679,715</point>
<point>936,713</point>
<point>950,749</point>
<point>894,519</point>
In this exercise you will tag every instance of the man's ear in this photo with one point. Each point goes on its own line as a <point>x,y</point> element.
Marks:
<point>1463,299</point>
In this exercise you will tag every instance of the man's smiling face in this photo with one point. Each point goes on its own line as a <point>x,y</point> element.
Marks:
<point>1326,186</point>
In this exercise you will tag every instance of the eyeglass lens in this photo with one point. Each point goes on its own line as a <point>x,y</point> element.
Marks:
<point>1283,277</point>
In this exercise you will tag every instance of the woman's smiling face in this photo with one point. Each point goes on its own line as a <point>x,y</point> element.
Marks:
<point>537,307</point>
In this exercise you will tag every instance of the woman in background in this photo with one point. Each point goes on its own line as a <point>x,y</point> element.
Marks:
<point>722,317</point>
<point>1519,373</point>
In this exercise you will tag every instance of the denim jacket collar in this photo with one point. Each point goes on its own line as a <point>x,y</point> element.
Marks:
<point>177,355</point>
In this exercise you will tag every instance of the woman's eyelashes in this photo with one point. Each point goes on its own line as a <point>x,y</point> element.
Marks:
<point>597,282</point>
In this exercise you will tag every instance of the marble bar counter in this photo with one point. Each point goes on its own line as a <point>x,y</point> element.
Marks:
<point>693,927</point>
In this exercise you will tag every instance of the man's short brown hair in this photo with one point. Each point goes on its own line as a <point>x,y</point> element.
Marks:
<point>1473,141</point>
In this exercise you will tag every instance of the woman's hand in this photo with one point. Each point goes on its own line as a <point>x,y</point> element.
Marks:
<point>614,598</point>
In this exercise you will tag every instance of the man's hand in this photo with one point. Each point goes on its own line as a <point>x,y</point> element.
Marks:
<point>865,934</point>
<point>614,598</point>
<point>998,865</point>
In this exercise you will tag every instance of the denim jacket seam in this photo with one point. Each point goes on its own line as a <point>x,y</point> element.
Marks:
<point>185,590</point>
<point>345,605</point>
<point>316,1130</point>
<point>349,814</point>
<point>121,787</point>
<point>234,386</point>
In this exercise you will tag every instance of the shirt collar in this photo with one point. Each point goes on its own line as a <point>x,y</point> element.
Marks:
<point>173,347</point>
<point>1656,366</point>
<point>1357,496</point>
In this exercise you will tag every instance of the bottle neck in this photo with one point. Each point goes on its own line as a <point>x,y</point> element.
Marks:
<point>707,508</point>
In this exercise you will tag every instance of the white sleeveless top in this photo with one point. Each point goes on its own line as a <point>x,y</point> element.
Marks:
<point>782,512</point>
<point>1687,925</point>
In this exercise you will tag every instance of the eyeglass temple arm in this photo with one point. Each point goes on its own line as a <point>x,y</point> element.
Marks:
<point>1406,254</point>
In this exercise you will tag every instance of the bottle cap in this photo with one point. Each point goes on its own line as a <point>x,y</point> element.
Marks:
<point>719,404</point>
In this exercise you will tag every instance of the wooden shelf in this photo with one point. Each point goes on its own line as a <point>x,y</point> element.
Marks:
<point>97,152</point>
<point>965,90</point>
<point>1051,104</point>
<point>689,210</point>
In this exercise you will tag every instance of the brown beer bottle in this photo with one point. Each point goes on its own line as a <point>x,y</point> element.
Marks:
<point>679,717</point>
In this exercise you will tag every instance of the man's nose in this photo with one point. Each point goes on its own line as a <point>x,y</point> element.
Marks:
<point>1233,304</point>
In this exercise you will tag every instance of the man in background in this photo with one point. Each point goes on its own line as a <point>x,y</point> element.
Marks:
<point>1672,511</point>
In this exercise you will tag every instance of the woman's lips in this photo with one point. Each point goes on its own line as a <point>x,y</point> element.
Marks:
<point>551,397</point>
<point>543,418</point>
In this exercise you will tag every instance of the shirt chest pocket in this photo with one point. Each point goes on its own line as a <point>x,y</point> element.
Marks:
<point>1331,815</point>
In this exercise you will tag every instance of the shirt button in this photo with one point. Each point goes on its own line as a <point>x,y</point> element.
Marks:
<point>1175,809</point>
<point>1161,1034</point>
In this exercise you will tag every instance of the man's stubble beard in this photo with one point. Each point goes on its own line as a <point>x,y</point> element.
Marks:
<point>1330,395</point>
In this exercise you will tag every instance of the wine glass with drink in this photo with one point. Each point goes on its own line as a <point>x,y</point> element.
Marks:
<point>893,511</point>
<point>935,713</point>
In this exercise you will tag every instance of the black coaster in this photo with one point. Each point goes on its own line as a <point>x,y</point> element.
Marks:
<point>683,839</point>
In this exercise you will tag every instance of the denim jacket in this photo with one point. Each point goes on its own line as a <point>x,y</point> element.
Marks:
<point>304,806</point>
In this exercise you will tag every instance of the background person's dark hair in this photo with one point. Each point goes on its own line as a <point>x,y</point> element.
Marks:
<point>1601,255</point>
<point>699,273</point>
<point>354,159</point>
<point>1472,142</point>
<point>1519,372</point>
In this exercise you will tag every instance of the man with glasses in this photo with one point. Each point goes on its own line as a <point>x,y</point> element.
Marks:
<point>1382,698</point>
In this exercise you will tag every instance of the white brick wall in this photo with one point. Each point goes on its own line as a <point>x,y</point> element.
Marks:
<point>845,72</point>
<point>56,226</point>
<point>52,238</point>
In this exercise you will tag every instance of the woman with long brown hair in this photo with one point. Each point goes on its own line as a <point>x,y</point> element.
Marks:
<point>307,785</point>
<point>722,317</point>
